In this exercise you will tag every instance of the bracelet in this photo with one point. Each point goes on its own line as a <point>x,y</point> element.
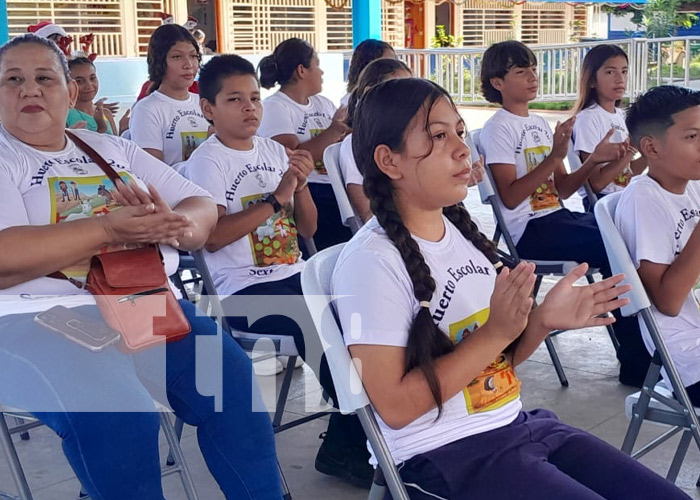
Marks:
<point>301,188</point>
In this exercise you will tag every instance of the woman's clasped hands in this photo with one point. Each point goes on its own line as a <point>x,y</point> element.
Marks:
<point>144,218</point>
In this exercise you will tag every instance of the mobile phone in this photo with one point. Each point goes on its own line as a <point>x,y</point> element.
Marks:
<point>81,329</point>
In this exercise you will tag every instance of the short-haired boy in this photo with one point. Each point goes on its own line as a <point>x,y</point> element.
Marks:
<point>657,216</point>
<point>526,161</point>
<point>264,203</point>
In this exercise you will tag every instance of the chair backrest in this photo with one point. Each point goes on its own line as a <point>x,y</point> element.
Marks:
<point>618,255</point>
<point>621,262</point>
<point>489,196</point>
<point>316,285</point>
<point>574,164</point>
<point>331,159</point>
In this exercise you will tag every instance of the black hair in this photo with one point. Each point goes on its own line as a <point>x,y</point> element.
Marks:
<point>280,67</point>
<point>594,60</point>
<point>498,59</point>
<point>375,72</point>
<point>38,40</point>
<point>219,67</point>
<point>383,116</point>
<point>162,40</point>
<point>652,113</point>
<point>366,52</point>
<point>79,61</point>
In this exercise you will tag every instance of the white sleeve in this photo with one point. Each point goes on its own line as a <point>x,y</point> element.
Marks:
<point>276,120</point>
<point>12,210</point>
<point>204,171</point>
<point>375,306</point>
<point>347,164</point>
<point>588,132</point>
<point>172,186</point>
<point>498,143</point>
<point>146,128</point>
<point>647,228</point>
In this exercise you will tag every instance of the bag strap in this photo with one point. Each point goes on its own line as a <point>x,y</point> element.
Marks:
<point>109,171</point>
<point>95,156</point>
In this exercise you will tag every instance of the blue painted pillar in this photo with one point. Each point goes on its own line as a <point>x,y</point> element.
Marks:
<point>4,22</point>
<point>366,20</point>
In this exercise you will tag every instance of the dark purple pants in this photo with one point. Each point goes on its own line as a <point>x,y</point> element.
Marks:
<point>536,457</point>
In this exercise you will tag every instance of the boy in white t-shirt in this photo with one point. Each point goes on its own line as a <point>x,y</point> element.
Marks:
<point>526,160</point>
<point>264,205</point>
<point>657,216</point>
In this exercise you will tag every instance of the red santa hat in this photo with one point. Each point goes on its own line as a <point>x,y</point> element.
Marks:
<point>191,23</point>
<point>167,18</point>
<point>45,29</point>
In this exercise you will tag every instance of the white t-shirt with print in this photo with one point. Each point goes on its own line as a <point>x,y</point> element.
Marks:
<point>656,225</point>
<point>282,115</point>
<point>172,126</point>
<point>237,179</point>
<point>39,188</point>
<point>346,163</point>
<point>590,127</point>
<point>370,279</point>
<point>523,141</point>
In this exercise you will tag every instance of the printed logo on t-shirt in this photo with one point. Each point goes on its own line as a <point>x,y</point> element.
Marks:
<point>275,241</point>
<point>190,141</point>
<point>74,198</point>
<point>497,385</point>
<point>545,196</point>
<point>623,178</point>
<point>319,166</point>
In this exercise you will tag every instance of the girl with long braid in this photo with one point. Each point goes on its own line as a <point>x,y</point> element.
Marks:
<point>437,331</point>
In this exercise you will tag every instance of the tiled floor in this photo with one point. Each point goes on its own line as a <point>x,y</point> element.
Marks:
<point>594,401</point>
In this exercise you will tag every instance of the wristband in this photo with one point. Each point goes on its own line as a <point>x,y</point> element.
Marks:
<point>272,200</point>
<point>301,188</point>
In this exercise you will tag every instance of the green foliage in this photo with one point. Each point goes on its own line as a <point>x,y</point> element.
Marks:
<point>442,39</point>
<point>661,18</point>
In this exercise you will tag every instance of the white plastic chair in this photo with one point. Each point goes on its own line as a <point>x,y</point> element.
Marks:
<point>655,402</point>
<point>331,159</point>
<point>490,196</point>
<point>574,164</point>
<point>352,398</point>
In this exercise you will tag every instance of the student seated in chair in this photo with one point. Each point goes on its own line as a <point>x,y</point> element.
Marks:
<point>264,204</point>
<point>438,332</point>
<point>526,160</point>
<point>657,216</point>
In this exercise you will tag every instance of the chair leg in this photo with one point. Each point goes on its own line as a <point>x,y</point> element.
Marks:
<point>174,444</point>
<point>556,362</point>
<point>179,425</point>
<point>679,456</point>
<point>284,391</point>
<point>640,409</point>
<point>13,460</point>
<point>286,494</point>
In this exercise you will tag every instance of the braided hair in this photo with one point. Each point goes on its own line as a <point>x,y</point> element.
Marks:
<point>383,116</point>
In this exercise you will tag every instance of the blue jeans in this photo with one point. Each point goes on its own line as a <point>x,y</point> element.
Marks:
<point>114,449</point>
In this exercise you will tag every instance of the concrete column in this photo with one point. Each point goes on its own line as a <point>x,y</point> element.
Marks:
<point>366,20</point>
<point>4,22</point>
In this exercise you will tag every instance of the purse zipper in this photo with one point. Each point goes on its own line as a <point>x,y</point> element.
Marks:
<point>132,297</point>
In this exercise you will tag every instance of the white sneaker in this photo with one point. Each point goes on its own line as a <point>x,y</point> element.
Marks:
<point>268,367</point>
<point>285,359</point>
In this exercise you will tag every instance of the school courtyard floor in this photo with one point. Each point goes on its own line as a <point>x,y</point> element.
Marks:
<point>594,401</point>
